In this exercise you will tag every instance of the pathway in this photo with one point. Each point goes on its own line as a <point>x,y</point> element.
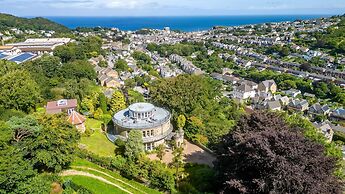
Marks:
<point>81,173</point>
<point>191,153</point>
<point>110,176</point>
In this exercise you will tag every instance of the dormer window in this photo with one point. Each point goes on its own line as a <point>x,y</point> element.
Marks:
<point>62,102</point>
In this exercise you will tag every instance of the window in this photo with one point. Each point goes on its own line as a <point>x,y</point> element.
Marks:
<point>152,133</point>
<point>144,133</point>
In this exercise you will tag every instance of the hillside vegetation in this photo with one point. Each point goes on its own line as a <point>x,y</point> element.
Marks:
<point>37,23</point>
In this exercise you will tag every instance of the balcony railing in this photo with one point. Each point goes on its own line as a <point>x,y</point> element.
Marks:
<point>149,123</point>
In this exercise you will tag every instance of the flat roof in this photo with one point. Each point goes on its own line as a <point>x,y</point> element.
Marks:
<point>159,117</point>
<point>141,107</point>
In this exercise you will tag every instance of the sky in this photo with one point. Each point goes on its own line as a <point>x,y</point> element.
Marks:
<point>169,7</point>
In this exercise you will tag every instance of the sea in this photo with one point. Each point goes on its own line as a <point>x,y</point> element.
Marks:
<point>183,23</point>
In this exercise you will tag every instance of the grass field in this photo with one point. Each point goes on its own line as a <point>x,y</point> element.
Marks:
<point>84,166</point>
<point>95,185</point>
<point>114,177</point>
<point>97,142</point>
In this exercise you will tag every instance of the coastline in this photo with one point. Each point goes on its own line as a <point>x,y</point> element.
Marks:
<point>183,23</point>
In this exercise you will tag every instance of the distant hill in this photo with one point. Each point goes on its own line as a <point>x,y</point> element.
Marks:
<point>38,23</point>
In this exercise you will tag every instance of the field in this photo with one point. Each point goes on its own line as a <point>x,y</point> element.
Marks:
<point>97,142</point>
<point>94,185</point>
<point>84,173</point>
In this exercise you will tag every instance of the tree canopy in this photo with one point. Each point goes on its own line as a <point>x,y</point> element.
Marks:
<point>208,115</point>
<point>19,91</point>
<point>264,155</point>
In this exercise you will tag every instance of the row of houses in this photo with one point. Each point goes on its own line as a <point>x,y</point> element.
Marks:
<point>262,96</point>
<point>108,77</point>
<point>326,73</point>
<point>186,66</point>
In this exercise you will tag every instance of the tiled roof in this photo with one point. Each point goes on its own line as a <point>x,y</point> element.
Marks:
<point>75,118</point>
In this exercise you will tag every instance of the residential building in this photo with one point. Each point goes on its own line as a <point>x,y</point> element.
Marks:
<point>273,105</point>
<point>63,105</point>
<point>77,120</point>
<point>152,121</point>
<point>325,129</point>
<point>243,92</point>
<point>300,105</point>
<point>338,114</point>
<point>317,109</point>
<point>268,86</point>
<point>293,92</point>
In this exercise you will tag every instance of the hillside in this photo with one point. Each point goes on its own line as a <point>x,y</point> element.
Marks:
<point>99,180</point>
<point>38,23</point>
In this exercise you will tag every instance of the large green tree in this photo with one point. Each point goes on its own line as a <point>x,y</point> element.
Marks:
<point>54,146</point>
<point>118,102</point>
<point>134,146</point>
<point>19,91</point>
<point>185,93</point>
<point>210,115</point>
<point>23,127</point>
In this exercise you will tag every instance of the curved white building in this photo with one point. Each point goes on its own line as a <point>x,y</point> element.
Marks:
<point>154,122</point>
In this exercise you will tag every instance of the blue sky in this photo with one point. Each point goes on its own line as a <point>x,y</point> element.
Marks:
<point>169,7</point>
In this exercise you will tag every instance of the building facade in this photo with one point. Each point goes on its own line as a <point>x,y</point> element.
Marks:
<point>153,122</point>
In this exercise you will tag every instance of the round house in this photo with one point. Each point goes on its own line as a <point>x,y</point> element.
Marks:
<point>153,122</point>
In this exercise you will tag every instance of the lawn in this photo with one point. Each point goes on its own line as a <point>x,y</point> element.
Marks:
<point>93,123</point>
<point>95,185</point>
<point>97,142</point>
<point>84,163</point>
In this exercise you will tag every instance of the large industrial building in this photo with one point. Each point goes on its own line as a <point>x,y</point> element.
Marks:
<point>30,49</point>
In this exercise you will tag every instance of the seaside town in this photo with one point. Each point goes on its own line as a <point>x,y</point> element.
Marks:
<point>182,91</point>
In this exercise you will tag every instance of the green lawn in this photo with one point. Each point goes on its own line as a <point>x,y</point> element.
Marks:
<point>95,185</point>
<point>93,123</point>
<point>84,163</point>
<point>97,143</point>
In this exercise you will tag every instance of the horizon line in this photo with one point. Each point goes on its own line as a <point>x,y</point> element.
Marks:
<point>312,14</point>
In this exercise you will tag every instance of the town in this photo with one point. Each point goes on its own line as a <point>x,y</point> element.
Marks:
<point>111,83</point>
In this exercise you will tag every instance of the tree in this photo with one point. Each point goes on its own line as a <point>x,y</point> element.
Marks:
<point>134,96</point>
<point>19,91</point>
<point>160,151</point>
<point>98,114</point>
<point>117,102</point>
<point>121,65</point>
<point>177,161</point>
<point>103,103</point>
<point>49,66</point>
<point>43,183</point>
<point>66,52</point>
<point>160,176</point>
<point>263,154</point>
<point>181,121</point>
<point>134,145</point>
<point>23,127</point>
<point>88,104</point>
<point>14,170</point>
<point>7,66</point>
<point>79,69</point>
<point>185,92</point>
<point>53,148</point>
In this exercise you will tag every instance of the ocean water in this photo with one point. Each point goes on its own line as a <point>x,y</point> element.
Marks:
<point>184,23</point>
